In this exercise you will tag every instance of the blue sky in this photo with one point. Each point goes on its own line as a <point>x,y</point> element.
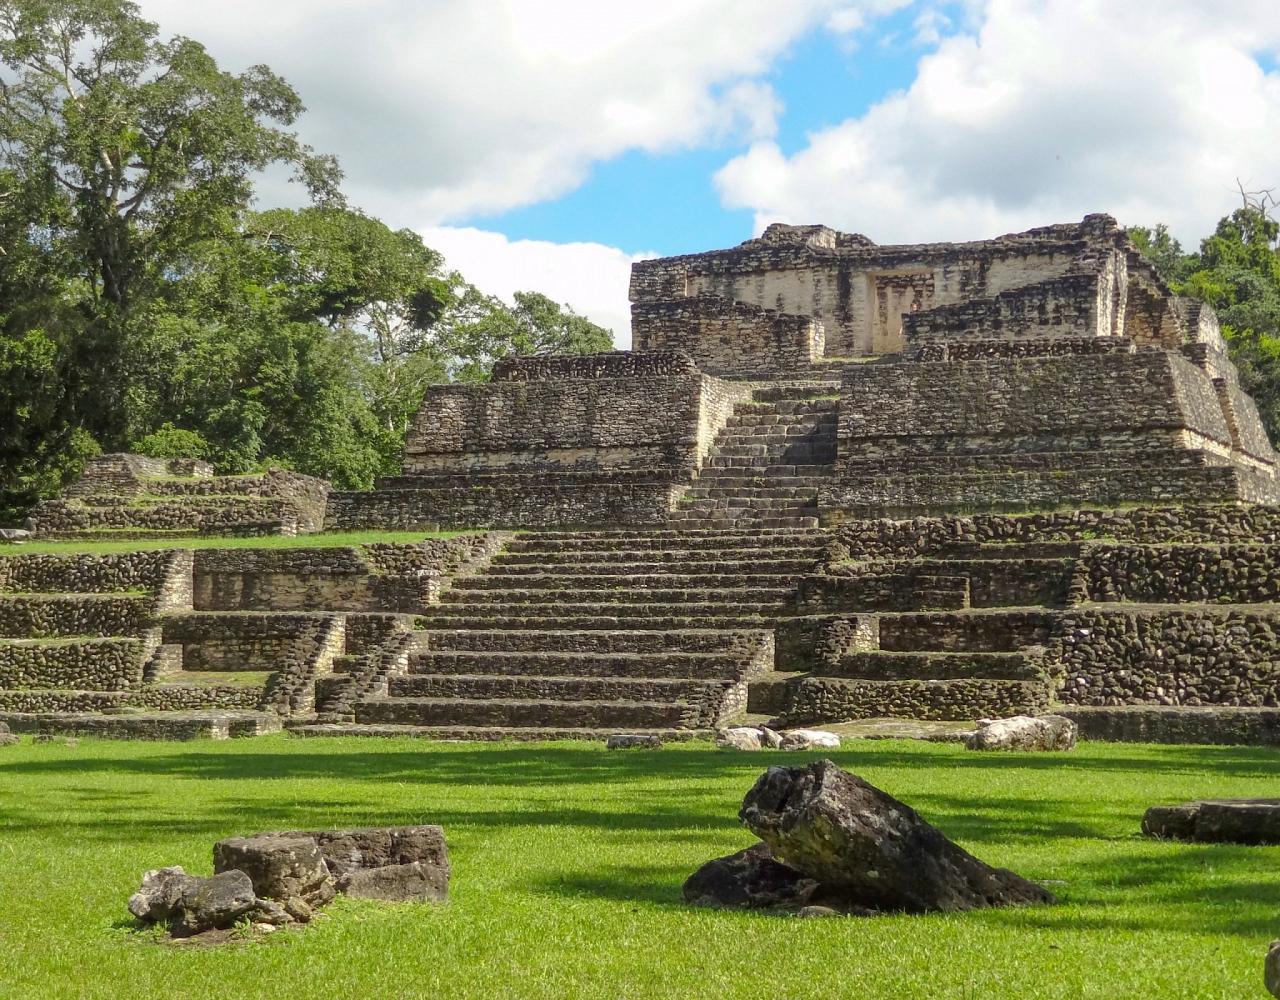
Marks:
<point>546,144</point>
<point>668,203</point>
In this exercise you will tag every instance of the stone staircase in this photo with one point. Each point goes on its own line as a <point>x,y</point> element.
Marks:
<point>579,634</point>
<point>769,461</point>
<point>959,636</point>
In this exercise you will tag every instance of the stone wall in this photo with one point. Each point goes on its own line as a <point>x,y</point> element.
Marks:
<point>1181,574</point>
<point>729,338</point>
<point>84,665</point>
<point>84,574</point>
<point>1183,656</point>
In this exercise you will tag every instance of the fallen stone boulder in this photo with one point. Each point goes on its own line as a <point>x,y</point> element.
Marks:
<point>7,739</point>
<point>809,739</point>
<point>870,851</point>
<point>160,894</point>
<point>633,741</point>
<point>14,535</point>
<point>1023,732</point>
<point>214,903</point>
<point>750,879</point>
<point>283,867</point>
<point>1271,969</point>
<point>394,863</point>
<point>1216,821</point>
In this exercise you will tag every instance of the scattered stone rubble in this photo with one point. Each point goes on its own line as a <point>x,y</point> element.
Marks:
<point>832,843</point>
<point>1216,821</point>
<point>764,738</point>
<point>274,879</point>
<point>6,737</point>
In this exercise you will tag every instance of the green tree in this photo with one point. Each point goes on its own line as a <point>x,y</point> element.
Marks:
<point>1237,271</point>
<point>133,150</point>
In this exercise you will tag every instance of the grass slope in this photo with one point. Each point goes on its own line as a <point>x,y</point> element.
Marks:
<point>568,862</point>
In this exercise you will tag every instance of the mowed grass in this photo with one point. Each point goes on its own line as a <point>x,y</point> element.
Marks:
<point>316,541</point>
<point>568,862</point>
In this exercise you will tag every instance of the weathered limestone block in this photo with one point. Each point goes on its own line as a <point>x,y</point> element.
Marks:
<point>281,866</point>
<point>739,738</point>
<point>1223,821</point>
<point>809,739</point>
<point>633,741</point>
<point>875,851</point>
<point>1024,732</point>
<point>213,903</point>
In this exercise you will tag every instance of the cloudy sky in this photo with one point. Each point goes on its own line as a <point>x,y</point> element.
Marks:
<point>546,144</point>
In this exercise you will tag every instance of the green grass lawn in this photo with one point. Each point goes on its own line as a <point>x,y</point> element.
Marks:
<point>568,861</point>
<point>316,541</point>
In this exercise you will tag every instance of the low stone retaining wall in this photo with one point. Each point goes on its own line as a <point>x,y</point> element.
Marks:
<point>48,616</point>
<point>94,665</point>
<point>84,574</point>
<point>1179,574</point>
<point>1196,656</point>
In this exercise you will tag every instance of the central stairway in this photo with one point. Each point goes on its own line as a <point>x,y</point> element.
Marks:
<point>578,634</point>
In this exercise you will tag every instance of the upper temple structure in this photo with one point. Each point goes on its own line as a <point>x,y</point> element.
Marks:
<point>833,481</point>
<point>810,375</point>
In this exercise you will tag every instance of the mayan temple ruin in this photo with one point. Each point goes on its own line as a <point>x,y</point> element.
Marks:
<point>833,480</point>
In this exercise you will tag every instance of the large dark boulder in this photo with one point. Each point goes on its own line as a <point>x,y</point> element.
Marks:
<point>870,850</point>
<point>1217,821</point>
<point>750,879</point>
<point>283,867</point>
<point>159,897</point>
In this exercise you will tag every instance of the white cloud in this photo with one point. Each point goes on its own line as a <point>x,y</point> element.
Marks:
<point>444,109</point>
<point>1148,109</point>
<point>591,277</point>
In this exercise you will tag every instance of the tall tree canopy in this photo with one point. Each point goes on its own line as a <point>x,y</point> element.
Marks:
<point>145,303</point>
<point>1237,271</point>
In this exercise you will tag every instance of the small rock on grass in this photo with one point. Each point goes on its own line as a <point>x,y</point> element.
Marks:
<point>1271,970</point>
<point>1024,732</point>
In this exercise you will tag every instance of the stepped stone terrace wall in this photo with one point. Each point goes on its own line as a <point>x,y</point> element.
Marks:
<point>598,439</point>
<point>124,496</point>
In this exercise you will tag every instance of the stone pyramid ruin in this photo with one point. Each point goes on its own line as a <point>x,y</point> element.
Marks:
<point>833,480</point>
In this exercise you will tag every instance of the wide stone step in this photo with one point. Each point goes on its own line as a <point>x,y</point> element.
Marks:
<point>674,568</point>
<point>749,491</point>
<point>546,618</point>
<point>40,616</point>
<point>535,603</point>
<point>829,699</point>
<point>801,546</point>
<point>979,631</point>
<point>929,666</point>
<point>570,580</point>
<point>511,643</point>
<point>722,541</point>
<point>779,453</point>
<point>743,520</point>
<point>525,663</point>
<point>788,407</point>
<point>828,391</point>
<point>215,724</point>
<point>531,687</point>
<point>523,712</point>
<point>490,733</point>
<point>721,466</point>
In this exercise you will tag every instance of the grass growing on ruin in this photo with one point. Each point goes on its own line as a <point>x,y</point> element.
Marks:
<point>317,541</point>
<point>568,862</point>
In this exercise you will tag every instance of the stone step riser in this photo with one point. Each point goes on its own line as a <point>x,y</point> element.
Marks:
<point>630,562</point>
<point>671,666</point>
<point>718,466</point>
<point>742,546</point>
<point>573,582</point>
<point>913,666</point>
<point>664,599</point>
<point>490,733</point>
<point>700,517</point>
<point>555,689</point>
<point>788,569</point>
<point>426,712</point>
<point>603,609</point>
<point>557,620</point>
<point>706,644</point>
<point>730,506</point>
